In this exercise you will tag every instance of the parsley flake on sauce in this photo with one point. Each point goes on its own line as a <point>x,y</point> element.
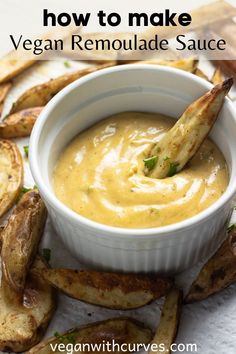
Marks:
<point>173,169</point>
<point>150,162</point>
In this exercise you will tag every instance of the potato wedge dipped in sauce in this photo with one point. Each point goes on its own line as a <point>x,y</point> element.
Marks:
<point>183,140</point>
<point>133,170</point>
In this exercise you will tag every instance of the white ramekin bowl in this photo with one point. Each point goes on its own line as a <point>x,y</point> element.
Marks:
<point>148,88</point>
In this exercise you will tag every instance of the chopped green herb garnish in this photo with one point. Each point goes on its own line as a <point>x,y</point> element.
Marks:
<point>231,227</point>
<point>22,192</point>
<point>46,254</point>
<point>173,169</point>
<point>67,64</point>
<point>166,158</point>
<point>25,190</point>
<point>150,162</point>
<point>26,150</point>
<point>66,338</point>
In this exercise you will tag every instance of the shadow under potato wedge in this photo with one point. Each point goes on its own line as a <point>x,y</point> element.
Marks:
<point>218,273</point>
<point>119,330</point>
<point>11,169</point>
<point>20,124</point>
<point>20,238</point>
<point>23,324</point>
<point>112,290</point>
<point>183,140</point>
<point>169,322</point>
<point>40,95</point>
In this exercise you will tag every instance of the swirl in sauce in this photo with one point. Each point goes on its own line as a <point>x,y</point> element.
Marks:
<point>100,175</point>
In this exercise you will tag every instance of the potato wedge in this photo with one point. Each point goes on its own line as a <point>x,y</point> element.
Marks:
<point>183,140</point>
<point>11,172</point>
<point>218,273</point>
<point>168,326</point>
<point>112,290</point>
<point>217,77</point>
<point>4,89</point>
<point>205,15</point>
<point>201,74</point>
<point>21,236</point>
<point>19,124</point>
<point>118,330</point>
<point>40,95</point>
<point>11,66</point>
<point>22,325</point>
<point>182,64</point>
<point>15,62</point>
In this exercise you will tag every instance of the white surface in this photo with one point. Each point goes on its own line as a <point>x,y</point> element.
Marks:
<point>210,324</point>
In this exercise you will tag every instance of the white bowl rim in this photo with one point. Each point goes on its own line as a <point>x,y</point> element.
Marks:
<point>119,232</point>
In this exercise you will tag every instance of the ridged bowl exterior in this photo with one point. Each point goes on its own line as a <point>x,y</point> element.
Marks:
<point>165,255</point>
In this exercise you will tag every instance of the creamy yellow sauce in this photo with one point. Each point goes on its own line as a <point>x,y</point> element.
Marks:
<point>100,175</point>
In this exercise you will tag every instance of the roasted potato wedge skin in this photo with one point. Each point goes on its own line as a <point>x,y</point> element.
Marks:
<point>21,236</point>
<point>23,325</point>
<point>112,290</point>
<point>11,168</point>
<point>11,66</point>
<point>183,140</point>
<point>20,124</point>
<point>218,273</point>
<point>40,95</point>
<point>168,326</point>
<point>120,330</point>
